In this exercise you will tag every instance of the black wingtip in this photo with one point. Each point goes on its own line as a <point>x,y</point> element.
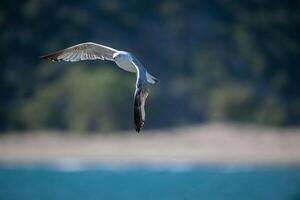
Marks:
<point>47,57</point>
<point>139,126</point>
<point>138,121</point>
<point>137,129</point>
<point>51,56</point>
<point>42,57</point>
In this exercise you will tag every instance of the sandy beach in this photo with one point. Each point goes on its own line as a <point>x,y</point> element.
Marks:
<point>205,144</point>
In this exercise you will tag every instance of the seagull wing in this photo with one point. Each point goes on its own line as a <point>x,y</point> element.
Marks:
<point>83,51</point>
<point>140,95</point>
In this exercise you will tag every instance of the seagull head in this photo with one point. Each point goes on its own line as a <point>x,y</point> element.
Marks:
<point>121,56</point>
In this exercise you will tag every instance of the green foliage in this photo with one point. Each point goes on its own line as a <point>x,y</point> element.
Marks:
<point>271,112</point>
<point>236,102</point>
<point>82,99</point>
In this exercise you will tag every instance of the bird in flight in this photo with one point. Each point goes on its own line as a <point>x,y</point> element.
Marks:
<point>123,59</point>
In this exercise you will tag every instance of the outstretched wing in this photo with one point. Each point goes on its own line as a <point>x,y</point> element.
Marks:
<point>141,94</point>
<point>83,51</point>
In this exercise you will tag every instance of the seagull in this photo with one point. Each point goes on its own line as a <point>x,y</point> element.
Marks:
<point>123,59</point>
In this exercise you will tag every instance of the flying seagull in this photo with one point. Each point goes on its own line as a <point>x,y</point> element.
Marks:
<point>124,60</point>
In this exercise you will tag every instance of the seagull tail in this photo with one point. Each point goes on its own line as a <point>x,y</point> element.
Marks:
<point>151,79</point>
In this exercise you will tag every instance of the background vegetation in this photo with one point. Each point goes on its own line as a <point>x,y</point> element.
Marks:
<point>217,60</point>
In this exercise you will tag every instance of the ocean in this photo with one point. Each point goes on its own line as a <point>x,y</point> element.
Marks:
<point>143,182</point>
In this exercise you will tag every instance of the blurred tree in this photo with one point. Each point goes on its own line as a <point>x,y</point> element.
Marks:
<point>82,99</point>
<point>236,102</point>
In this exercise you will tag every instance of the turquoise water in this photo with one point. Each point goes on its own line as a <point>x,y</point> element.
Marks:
<point>143,182</point>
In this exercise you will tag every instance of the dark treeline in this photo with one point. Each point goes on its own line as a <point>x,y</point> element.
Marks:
<point>217,60</point>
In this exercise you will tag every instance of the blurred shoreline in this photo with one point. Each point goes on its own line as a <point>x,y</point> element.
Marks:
<point>205,144</point>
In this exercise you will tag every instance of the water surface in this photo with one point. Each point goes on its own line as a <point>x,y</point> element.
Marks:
<point>76,182</point>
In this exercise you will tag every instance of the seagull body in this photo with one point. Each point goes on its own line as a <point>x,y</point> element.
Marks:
<point>123,59</point>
